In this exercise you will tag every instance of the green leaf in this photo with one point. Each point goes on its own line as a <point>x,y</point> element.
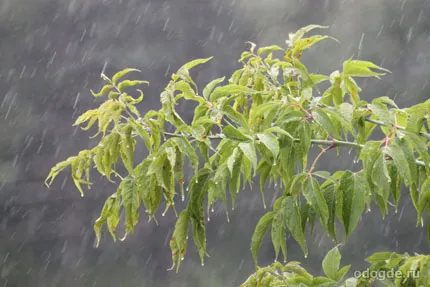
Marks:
<point>185,147</point>
<point>232,160</point>
<point>331,264</point>
<point>143,134</point>
<point>329,192</point>
<point>350,200</point>
<point>271,142</point>
<point>131,203</point>
<point>234,134</point>
<point>293,37</point>
<point>381,182</point>
<point>357,68</point>
<point>235,116</point>
<point>178,242</point>
<point>268,49</point>
<point>128,83</point>
<point>199,237</point>
<point>122,73</point>
<point>103,91</point>
<point>424,201</point>
<point>419,143</point>
<point>326,122</point>
<point>196,62</point>
<point>293,220</point>
<point>111,205</point>
<point>231,89</point>
<point>382,112</point>
<point>86,116</point>
<point>62,165</point>
<point>404,160</point>
<point>315,198</point>
<point>249,152</point>
<point>279,239</point>
<point>211,86</point>
<point>259,232</point>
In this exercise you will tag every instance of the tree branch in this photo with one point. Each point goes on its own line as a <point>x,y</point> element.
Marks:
<point>379,123</point>
<point>313,141</point>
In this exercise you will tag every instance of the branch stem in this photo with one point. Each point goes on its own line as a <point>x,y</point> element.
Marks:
<point>379,123</point>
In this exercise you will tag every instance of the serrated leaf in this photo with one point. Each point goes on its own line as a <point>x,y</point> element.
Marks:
<point>259,232</point>
<point>131,203</point>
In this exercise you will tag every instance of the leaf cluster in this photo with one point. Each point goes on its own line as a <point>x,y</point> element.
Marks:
<point>261,124</point>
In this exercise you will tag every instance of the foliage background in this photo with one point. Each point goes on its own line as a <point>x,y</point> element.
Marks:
<point>51,54</point>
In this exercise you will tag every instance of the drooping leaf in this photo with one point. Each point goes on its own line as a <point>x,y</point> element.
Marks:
<point>259,232</point>
<point>350,200</point>
<point>271,142</point>
<point>294,221</point>
<point>315,197</point>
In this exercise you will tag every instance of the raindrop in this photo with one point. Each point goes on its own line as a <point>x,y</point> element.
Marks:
<point>197,181</point>
<point>306,256</point>
<point>203,264</point>
<point>209,219</point>
<point>182,259</point>
<point>188,188</point>
<point>212,209</point>
<point>216,182</point>
<point>183,198</point>
<point>164,213</point>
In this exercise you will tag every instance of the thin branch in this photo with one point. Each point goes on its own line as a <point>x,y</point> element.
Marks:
<point>313,141</point>
<point>379,123</point>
